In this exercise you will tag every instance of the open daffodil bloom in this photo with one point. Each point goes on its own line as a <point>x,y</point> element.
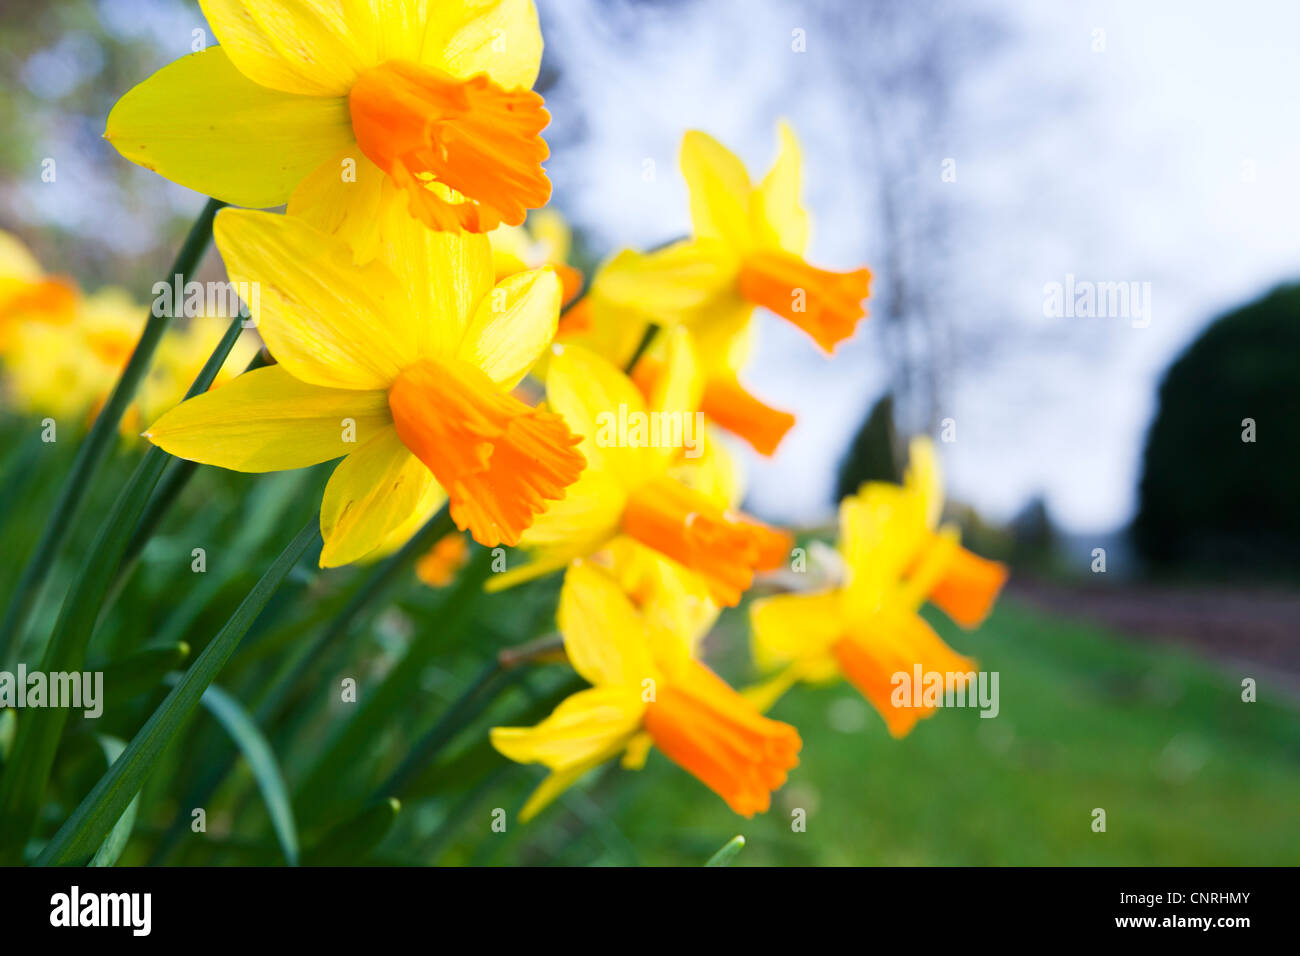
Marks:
<point>747,250</point>
<point>647,691</point>
<point>404,365</point>
<point>630,489</point>
<point>869,630</point>
<point>336,102</point>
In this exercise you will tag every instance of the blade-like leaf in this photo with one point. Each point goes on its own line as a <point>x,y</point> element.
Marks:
<point>115,842</point>
<point>91,453</point>
<point>96,814</point>
<point>39,733</point>
<point>348,843</point>
<point>266,770</point>
<point>144,670</point>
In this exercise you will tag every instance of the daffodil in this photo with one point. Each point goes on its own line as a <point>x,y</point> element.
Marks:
<point>646,691</point>
<point>630,488</point>
<point>27,293</point>
<point>896,557</point>
<point>545,240</point>
<point>747,250</point>
<point>332,105</point>
<point>403,365</point>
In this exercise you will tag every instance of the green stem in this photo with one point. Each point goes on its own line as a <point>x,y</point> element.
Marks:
<point>494,679</point>
<point>278,693</point>
<point>347,746</point>
<point>96,814</point>
<point>93,450</point>
<point>649,336</point>
<point>476,698</point>
<point>374,587</point>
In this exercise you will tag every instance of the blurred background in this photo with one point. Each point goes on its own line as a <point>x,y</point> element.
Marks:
<point>1136,466</point>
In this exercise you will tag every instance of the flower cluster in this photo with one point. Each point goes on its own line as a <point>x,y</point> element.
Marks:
<point>62,349</point>
<point>415,326</point>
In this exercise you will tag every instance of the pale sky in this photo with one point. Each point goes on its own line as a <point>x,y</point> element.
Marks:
<point>1166,158</point>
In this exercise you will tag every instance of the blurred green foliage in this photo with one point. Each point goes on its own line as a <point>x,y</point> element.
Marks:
<point>1208,496</point>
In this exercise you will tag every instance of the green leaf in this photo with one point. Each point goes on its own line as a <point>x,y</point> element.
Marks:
<point>728,853</point>
<point>257,751</point>
<point>8,726</point>
<point>351,841</point>
<point>39,733</point>
<point>142,671</point>
<point>91,453</point>
<point>385,703</point>
<point>117,838</point>
<point>94,817</point>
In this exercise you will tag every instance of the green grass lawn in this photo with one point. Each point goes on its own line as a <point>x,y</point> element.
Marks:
<point>1186,771</point>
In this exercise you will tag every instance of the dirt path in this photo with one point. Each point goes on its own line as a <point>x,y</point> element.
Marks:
<point>1232,624</point>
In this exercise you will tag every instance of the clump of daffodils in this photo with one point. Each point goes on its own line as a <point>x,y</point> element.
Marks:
<point>428,334</point>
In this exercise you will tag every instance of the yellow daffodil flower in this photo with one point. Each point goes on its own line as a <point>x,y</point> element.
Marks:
<point>544,240</point>
<point>331,104</point>
<point>27,293</point>
<point>646,691</point>
<point>868,630</point>
<point>629,488</point>
<point>747,250</point>
<point>403,365</point>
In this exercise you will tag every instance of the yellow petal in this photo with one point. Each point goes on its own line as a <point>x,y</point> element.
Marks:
<point>372,493</point>
<point>765,694</point>
<point>724,339</point>
<point>429,505</point>
<point>593,397</point>
<point>670,598</point>
<point>781,219</point>
<point>16,261</point>
<point>578,524</point>
<point>720,191</point>
<point>398,27</point>
<point>513,325</point>
<point>201,123</point>
<point>312,47</point>
<point>599,720</point>
<point>715,474</point>
<point>557,781</point>
<point>882,531</point>
<point>604,635</point>
<point>498,37</point>
<point>794,627</point>
<point>446,273</point>
<point>267,420</point>
<point>344,195</point>
<point>924,479</point>
<point>677,393</point>
<point>684,282</point>
<point>329,322</point>
<point>638,751</point>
